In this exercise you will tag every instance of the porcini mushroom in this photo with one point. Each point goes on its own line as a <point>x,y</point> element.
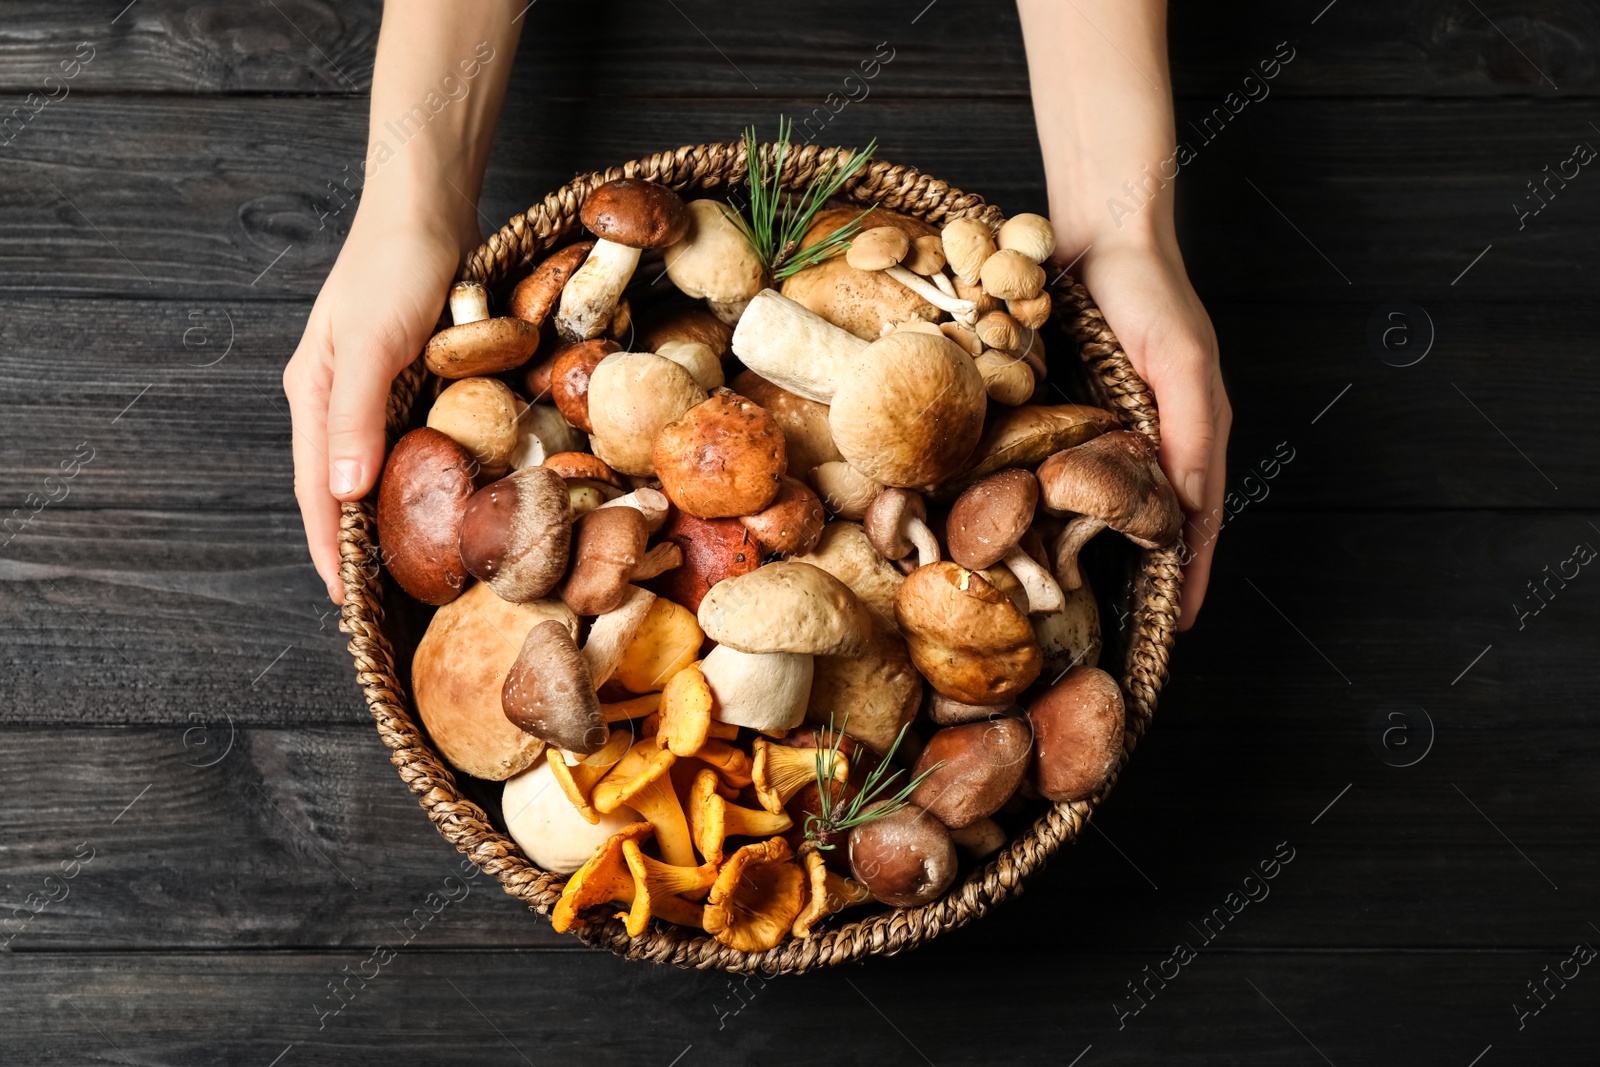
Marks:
<point>870,695</point>
<point>603,879</point>
<point>1113,480</point>
<point>792,522</point>
<point>546,826</point>
<point>785,607</point>
<point>713,818</point>
<point>422,499</point>
<point>986,526</point>
<point>658,889</point>
<point>1029,235</point>
<point>845,551</point>
<point>640,781</point>
<point>477,344</point>
<point>721,458</point>
<point>627,215</point>
<point>967,244</point>
<point>1078,734</point>
<point>826,892</point>
<point>779,772</point>
<point>550,693</point>
<point>966,637</point>
<point>698,359</point>
<point>757,896</point>
<point>947,712</point>
<point>896,524</point>
<point>632,395</point>
<point>1023,436</point>
<point>807,439</point>
<point>609,554</point>
<point>713,261</point>
<point>765,691</point>
<point>516,532</point>
<point>713,549</point>
<point>904,858</point>
<point>972,770</point>
<point>535,296</point>
<point>481,415</point>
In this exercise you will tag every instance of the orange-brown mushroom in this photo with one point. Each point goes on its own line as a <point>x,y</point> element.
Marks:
<point>714,819</point>
<point>604,879</point>
<point>826,892</point>
<point>577,780</point>
<point>756,898</point>
<point>721,458</point>
<point>658,890</point>
<point>779,772</point>
<point>640,781</point>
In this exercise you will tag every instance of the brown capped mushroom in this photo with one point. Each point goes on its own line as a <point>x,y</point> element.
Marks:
<point>516,531</point>
<point>1028,234</point>
<point>1030,311</point>
<point>651,503</point>
<point>550,694</point>
<point>896,524</point>
<point>904,858</point>
<point>422,498</point>
<point>632,397</point>
<point>713,549</point>
<point>720,459</point>
<point>535,296</point>
<point>972,770</point>
<point>690,323</point>
<point>926,256</point>
<point>845,551</point>
<point>966,637</point>
<point>481,414</point>
<point>857,301</point>
<point>877,248</point>
<point>1010,275</point>
<point>1113,480</point>
<point>968,244</point>
<point>1007,379</point>
<point>608,555</point>
<point>792,523</point>
<point>569,379</point>
<point>1023,436</point>
<point>627,215</point>
<point>871,695</point>
<point>714,261</point>
<point>477,344</point>
<point>999,330</point>
<point>980,839</point>
<point>1077,726</point>
<point>986,526</point>
<point>807,439</point>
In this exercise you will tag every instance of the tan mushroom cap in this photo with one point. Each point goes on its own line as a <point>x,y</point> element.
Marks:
<point>845,491</point>
<point>786,607</point>
<point>845,551</point>
<point>966,637</point>
<point>635,212</point>
<point>859,301</point>
<point>1023,436</point>
<point>480,414</point>
<point>909,411</point>
<point>689,323</point>
<point>549,692</point>
<point>1031,312</point>
<point>632,395</point>
<point>967,244</point>
<point>516,532</point>
<point>1007,379</point>
<point>997,329</point>
<point>870,695</point>
<point>757,897</point>
<point>990,518</point>
<point>879,248</point>
<point>722,458</point>
<point>713,260</point>
<point>1031,235</point>
<point>1115,478</point>
<point>1010,275</point>
<point>535,296</point>
<point>926,256</point>
<point>807,439</point>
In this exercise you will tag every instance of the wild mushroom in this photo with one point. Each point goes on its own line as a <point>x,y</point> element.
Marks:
<point>640,781</point>
<point>1007,379</point>
<point>545,825</point>
<point>685,722</point>
<point>667,641</point>
<point>986,526</point>
<point>1023,436</point>
<point>714,262</point>
<point>658,890</point>
<point>480,414</point>
<point>535,296</point>
<point>683,322</point>
<point>1030,311</point>
<point>980,839</point>
<point>967,244</point>
<point>650,503</point>
<point>577,779</point>
<point>904,858</point>
<point>947,712</point>
<point>1029,235</point>
<point>720,459</point>
<point>632,396</point>
<point>779,772</point>
<point>732,765</point>
<point>1071,636</point>
<point>792,522</point>
<point>845,551</point>
<point>458,674</point>
<point>608,555</point>
<point>603,879</point>
<point>627,215</point>
<point>516,532</point>
<point>698,359</point>
<point>826,892</point>
<point>844,490</point>
<point>858,301</point>
<point>998,330</point>
<point>713,549</point>
<point>1078,734</point>
<point>422,499</point>
<point>881,248</point>
<point>542,431</point>
<point>972,770</point>
<point>756,898</point>
<point>612,634</point>
<point>583,472</point>
<point>477,344</point>
<point>926,256</point>
<point>807,439</point>
<point>965,338</point>
<point>896,524</point>
<point>550,693</point>
<point>966,637</point>
<point>765,691</point>
<point>570,375</point>
<point>713,818</point>
<point>786,607</point>
<point>870,695</point>
<point>1010,275</point>
<point>1113,480</point>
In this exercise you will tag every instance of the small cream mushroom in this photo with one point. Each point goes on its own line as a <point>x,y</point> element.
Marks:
<point>698,359</point>
<point>844,490</point>
<point>1007,379</point>
<point>714,261</point>
<point>765,691</point>
<point>878,248</point>
<point>967,244</point>
<point>548,827</point>
<point>542,431</point>
<point>999,330</point>
<point>967,338</point>
<point>627,215</point>
<point>1031,311</point>
<point>480,414</point>
<point>632,395</point>
<point>1030,234</point>
<point>1010,275</point>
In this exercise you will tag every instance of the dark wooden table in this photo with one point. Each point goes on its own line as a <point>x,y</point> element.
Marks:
<point>1394,684</point>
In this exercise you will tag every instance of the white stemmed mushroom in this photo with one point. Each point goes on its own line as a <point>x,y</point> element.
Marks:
<point>549,827</point>
<point>628,215</point>
<point>882,248</point>
<point>986,526</point>
<point>715,262</point>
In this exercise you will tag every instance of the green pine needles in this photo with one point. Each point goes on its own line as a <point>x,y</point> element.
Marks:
<point>837,817</point>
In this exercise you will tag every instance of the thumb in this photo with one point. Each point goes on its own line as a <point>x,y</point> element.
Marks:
<point>362,374</point>
<point>1194,427</point>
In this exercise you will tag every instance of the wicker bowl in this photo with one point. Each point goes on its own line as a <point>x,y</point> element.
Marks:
<point>1141,601</point>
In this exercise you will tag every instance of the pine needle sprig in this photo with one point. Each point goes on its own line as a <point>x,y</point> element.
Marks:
<point>775,222</point>
<point>835,817</point>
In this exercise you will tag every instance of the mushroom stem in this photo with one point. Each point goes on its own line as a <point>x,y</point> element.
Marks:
<point>1044,595</point>
<point>660,559</point>
<point>610,633</point>
<point>932,293</point>
<point>946,286</point>
<point>651,503</point>
<point>1071,541</point>
<point>921,535</point>
<point>590,296</point>
<point>793,347</point>
<point>469,302</point>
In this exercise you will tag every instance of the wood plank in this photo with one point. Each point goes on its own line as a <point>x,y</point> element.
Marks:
<point>1039,1007</point>
<point>1404,48</point>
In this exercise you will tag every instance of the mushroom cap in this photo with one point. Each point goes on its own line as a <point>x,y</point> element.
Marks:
<point>714,260</point>
<point>1008,379</point>
<point>983,763</point>
<point>878,248</point>
<point>666,642</point>
<point>844,491</point>
<point>997,329</point>
<point>1010,275</point>
<point>859,301</point>
<point>713,549</point>
<point>909,410</point>
<point>535,296</point>
<point>807,439</point>
<point>1023,436</point>
<point>643,766</point>
<point>905,858</point>
<point>1071,636</point>
<point>570,374</point>
<point>792,522</point>
<point>1078,734</point>
<point>886,518</point>
<point>1028,234</point>
<point>685,721</point>
<point>764,690</point>
<point>967,340</point>
<point>487,346</point>
<point>516,532</point>
<point>845,552</point>
<point>926,256</point>
<point>632,395</point>
<point>990,518</point>
<point>542,431</point>
<point>967,244</point>
<point>966,637</point>
<point>947,712</point>
<point>1030,311</point>
<point>684,322</point>
<point>549,692</point>
<point>721,458</point>
<point>603,879</point>
<point>756,898</point>
<point>480,414</point>
<point>869,696</point>
<point>458,674</point>
<point>635,212</point>
<point>826,892</point>
<point>584,466</point>
<point>545,825</point>
<point>698,359</point>
<point>786,607</point>
<point>1115,478</point>
<point>422,498</point>
<point>607,545</point>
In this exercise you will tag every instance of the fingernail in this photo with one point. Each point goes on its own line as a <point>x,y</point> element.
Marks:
<point>344,475</point>
<point>336,591</point>
<point>1194,490</point>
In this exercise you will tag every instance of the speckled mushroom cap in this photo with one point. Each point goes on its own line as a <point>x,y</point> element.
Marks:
<point>636,213</point>
<point>516,532</point>
<point>989,518</point>
<point>1115,477</point>
<point>786,607</point>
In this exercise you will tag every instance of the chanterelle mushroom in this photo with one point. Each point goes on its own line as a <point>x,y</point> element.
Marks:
<point>896,524</point>
<point>779,772</point>
<point>478,344</point>
<point>627,215</point>
<point>756,898</point>
<point>986,525</point>
<point>713,261</point>
<point>556,836</point>
<point>658,889</point>
<point>826,892</point>
<point>713,818</point>
<point>640,781</point>
<point>1113,480</point>
<point>603,879</point>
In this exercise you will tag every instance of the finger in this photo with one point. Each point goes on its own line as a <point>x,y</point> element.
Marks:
<point>306,383</point>
<point>362,375</point>
<point>1201,533</point>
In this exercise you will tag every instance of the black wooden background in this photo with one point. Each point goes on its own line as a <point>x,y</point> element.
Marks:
<point>179,724</point>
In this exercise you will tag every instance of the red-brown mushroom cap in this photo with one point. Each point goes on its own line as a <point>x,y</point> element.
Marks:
<point>1115,478</point>
<point>535,296</point>
<point>636,212</point>
<point>1078,728</point>
<point>792,523</point>
<point>422,499</point>
<point>516,532</point>
<point>721,458</point>
<point>990,518</point>
<point>549,692</point>
<point>607,546</point>
<point>569,378</point>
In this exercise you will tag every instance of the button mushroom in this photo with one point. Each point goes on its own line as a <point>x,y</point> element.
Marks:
<point>972,770</point>
<point>896,524</point>
<point>1030,311</point>
<point>713,818</point>
<point>535,296</point>
<point>826,892</point>
<point>792,522</point>
<point>999,330</point>
<point>632,396</point>
<point>546,826</point>
<point>627,215</point>
<point>926,256</point>
<point>986,526</point>
<point>516,532</point>
<point>779,772</point>
<point>1113,480</point>
<point>481,415</point>
<point>1007,378</point>
<point>966,637</point>
<point>713,261</point>
<point>477,344</point>
<point>904,858</point>
<point>757,896</point>
<point>422,499</point>
<point>608,555</point>
<point>883,247</point>
<point>1078,734</point>
<point>550,693</point>
<point>640,781</point>
<point>720,459</point>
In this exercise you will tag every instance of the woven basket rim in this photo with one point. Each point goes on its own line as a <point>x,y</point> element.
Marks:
<point>1152,622</point>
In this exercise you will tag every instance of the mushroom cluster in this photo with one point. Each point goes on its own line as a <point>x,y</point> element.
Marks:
<point>762,604</point>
